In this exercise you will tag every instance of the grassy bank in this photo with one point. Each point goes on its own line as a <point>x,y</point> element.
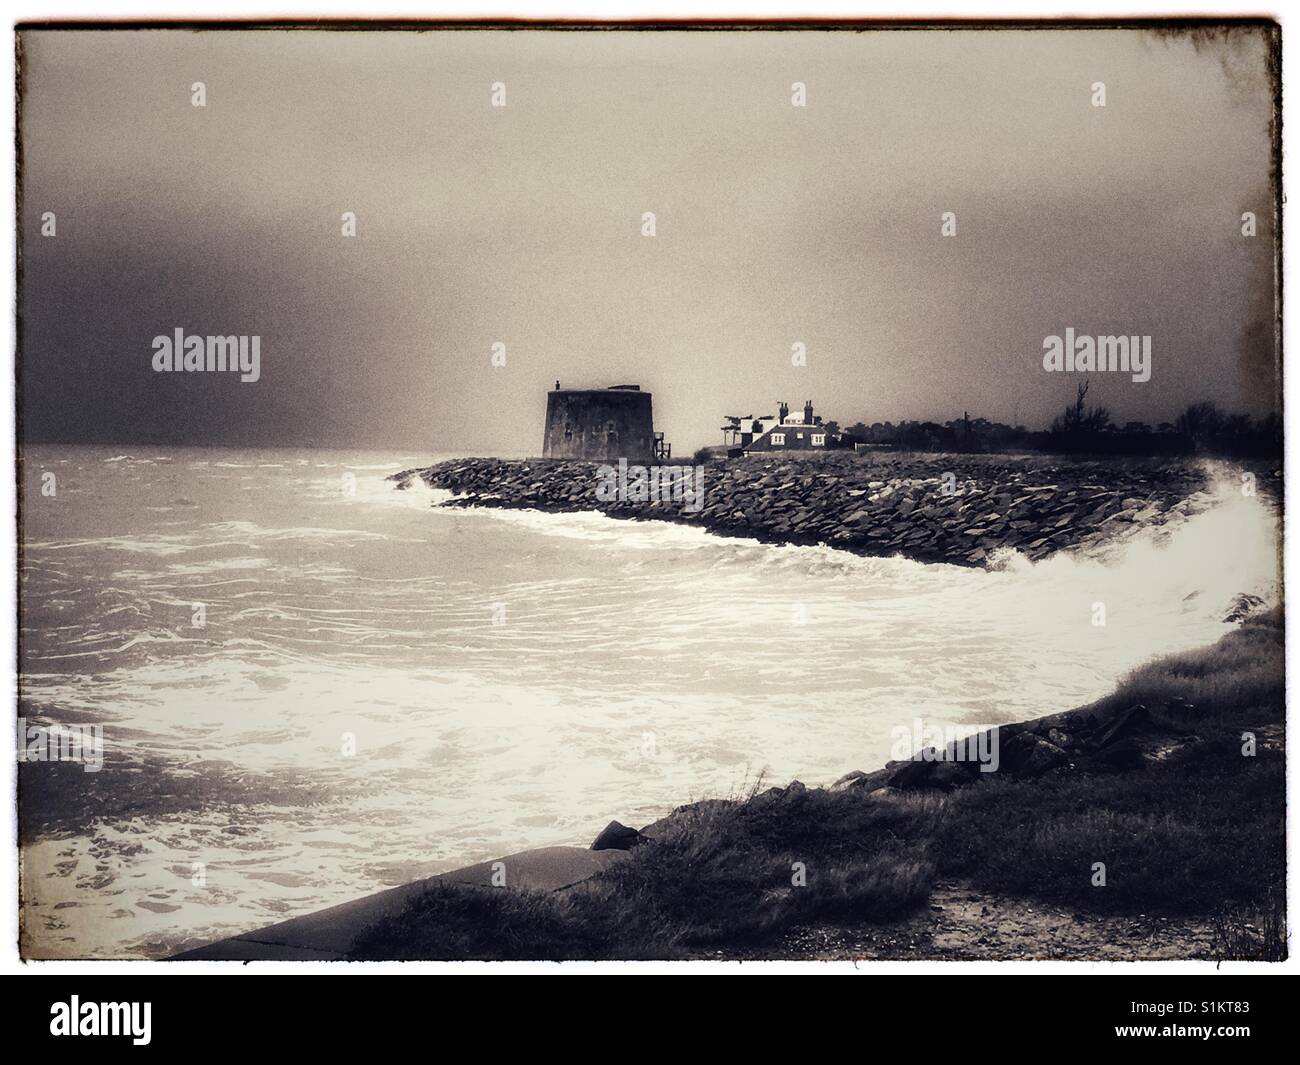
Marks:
<point>1185,810</point>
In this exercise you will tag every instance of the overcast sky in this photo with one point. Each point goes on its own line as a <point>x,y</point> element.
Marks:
<point>522,225</point>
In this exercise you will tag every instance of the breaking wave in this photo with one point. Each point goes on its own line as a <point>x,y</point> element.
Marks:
<point>498,673</point>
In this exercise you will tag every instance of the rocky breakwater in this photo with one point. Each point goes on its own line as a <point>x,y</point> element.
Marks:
<point>960,509</point>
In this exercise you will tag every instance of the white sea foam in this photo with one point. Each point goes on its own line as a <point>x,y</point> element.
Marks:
<point>499,672</point>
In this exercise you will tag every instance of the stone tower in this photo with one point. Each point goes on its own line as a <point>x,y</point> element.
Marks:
<point>603,424</point>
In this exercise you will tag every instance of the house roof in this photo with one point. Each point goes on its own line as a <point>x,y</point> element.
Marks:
<point>815,430</point>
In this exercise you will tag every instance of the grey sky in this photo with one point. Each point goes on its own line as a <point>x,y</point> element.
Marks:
<point>521,225</point>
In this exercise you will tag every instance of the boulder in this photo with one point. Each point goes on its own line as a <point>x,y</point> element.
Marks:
<point>1062,739</point>
<point>949,775</point>
<point>793,790</point>
<point>1242,607</point>
<point>1127,722</point>
<point>857,780</point>
<point>912,774</point>
<point>617,837</point>
<point>763,797</point>
<point>1030,755</point>
<point>940,773</point>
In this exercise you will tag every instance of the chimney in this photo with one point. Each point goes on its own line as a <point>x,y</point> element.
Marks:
<point>807,412</point>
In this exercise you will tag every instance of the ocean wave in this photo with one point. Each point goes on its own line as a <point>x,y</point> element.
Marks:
<point>500,670</point>
<point>1163,565</point>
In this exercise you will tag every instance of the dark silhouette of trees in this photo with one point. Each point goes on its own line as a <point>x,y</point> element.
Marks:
<point>1199,421</point>
<point>1079,428</point>
<point>1078,418</point>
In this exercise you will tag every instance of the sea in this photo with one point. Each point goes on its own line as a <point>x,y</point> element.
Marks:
<point>312,686</point>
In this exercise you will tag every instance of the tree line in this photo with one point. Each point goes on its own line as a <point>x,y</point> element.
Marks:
<point>1201,428</point>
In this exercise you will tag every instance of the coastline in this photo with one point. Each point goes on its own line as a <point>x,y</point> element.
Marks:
<point>965,510</point>
<point>922,858</point>
<point>906,860</point>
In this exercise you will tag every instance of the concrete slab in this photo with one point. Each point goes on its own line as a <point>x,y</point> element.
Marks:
<point>330,933</point>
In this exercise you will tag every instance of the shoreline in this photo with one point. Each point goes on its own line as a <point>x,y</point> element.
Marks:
<point>1147,738</point>
<point>966,510</point>
<point>911,900</point>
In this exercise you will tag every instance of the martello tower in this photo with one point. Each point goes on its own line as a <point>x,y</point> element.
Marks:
<point>599,423</point>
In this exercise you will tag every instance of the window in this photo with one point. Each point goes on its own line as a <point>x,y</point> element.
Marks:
<point>819,439</point>
<point>778,439</point>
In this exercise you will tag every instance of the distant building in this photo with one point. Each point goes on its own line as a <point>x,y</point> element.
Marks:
<point>782,431</point>
<point>601,424</point>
